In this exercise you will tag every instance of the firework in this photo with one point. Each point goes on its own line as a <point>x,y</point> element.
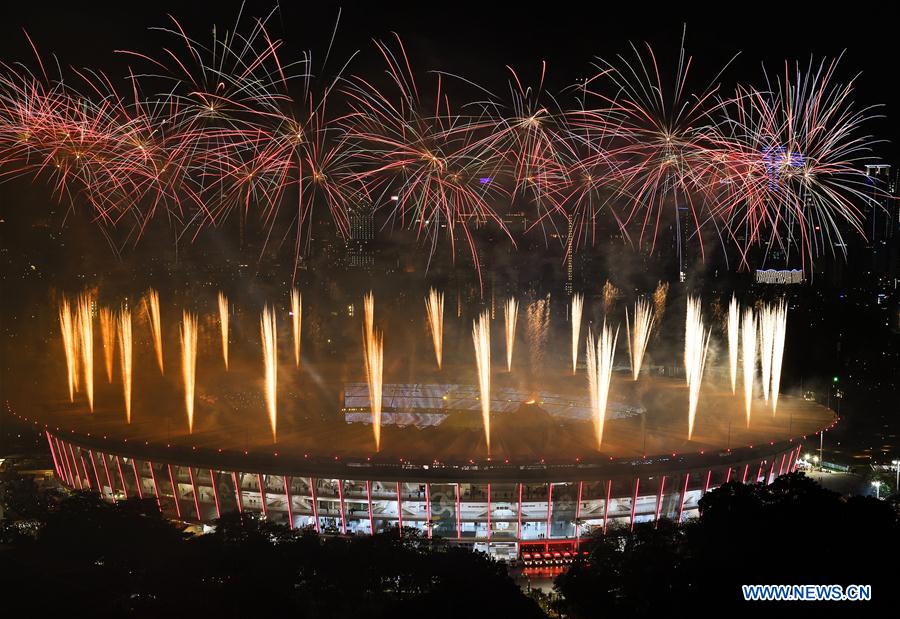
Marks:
<point>610,294</point>
<point>189,364</point>
<point>734,325</point>
<point>481,337</point>
<point>373,354</point>
<point>85,322</point>
<point>748,356</point>
<point>511,314</point>
<point>600,357</point>
<point>153,315</point>
<point>434,310</point>
<point>70,345</point>
<point>696,346</point>
<point>766,346</point>
<point>269,337</point>
<point>223,326</point>
<point>537,317</point>
<point>778,351</point>
<point>125,358</point>
<point>577,307</point>
<point>296,322</point>
<point>639,334</point>
<point>659,300</point>
<point>108,336</point>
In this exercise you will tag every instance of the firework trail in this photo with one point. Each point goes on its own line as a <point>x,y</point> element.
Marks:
<point>125,358</point>
<point>70,345</point>
<point>693,328</point>
<point>600,356</point>
<point>434,309</point>
<point>85,322</point>
<point>577,307</point>
<point>748,356</point>
<point>766,346</point>
<point>223,326</point>
<point>696,346</point>
<point>778,350</point>
<point>659,300</point>
<point>639,334</point>
<point>481,337</point>
<point>152,305</point>
<point>610,294</point>
<point>734,326</point>
<point>269,337</point>
<point>296,322</point>
<point>373,354</point>
<point>108,336</point>
<point>189,364</point>
<point>511,314</point>
<point>537,317</point>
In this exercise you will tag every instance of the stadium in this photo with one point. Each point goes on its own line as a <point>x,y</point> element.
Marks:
<point>543,489</point>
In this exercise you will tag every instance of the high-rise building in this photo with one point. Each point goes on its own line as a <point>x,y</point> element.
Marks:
<point>883,221</point>
<point>360,250</point>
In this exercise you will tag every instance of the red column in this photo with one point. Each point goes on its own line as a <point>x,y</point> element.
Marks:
<point>797,456</point>
<point>428,509</point>
<point>489,511</point>
<point>458,518</point>
<point>287,494</point>
<point>315,506</point>
<point>96,476</point>
<point>770,477</point>
<point>399,510</point>
<point>65,458</point>
<point>174,491</point>
<point>781,466</point>
<point>262,495</point>
<point>237,493</point>
<point>549,507</point>
<point>341,500</point>
<point>606,505</point>
<point>52,453</point>
<point>74,465</point>
<point>112,488</point>
<point>155,485</point>
<point>137,478</point>
<point>194,488</point>
<point>519,530</point>
<point>708,478</point>
<point>728,475</point>
<point>578,516</point>
<point>215,489</point>
<point>759,471</point>
<point>637,482</point>
<point>744,476</point>
<point>87,475</point>
<point>687,477</point>
<point>121,476</point>
<point>662,486</point>
<point>369,499</point>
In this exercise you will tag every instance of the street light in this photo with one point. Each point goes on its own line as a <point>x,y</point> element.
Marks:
<point>877,485</point>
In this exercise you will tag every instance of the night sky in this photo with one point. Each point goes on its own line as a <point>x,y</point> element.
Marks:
<point>478,40</point>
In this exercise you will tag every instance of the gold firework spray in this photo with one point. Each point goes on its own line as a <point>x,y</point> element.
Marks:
<point>434,310</point>
<point>659,300</point>
<point>766,346</point>
<point>734,327</point>
<point>577,308</point>
<point>610,294</point>
<point>70,345</point>
<point>125,358</point>
<point>296,322</point>
<point>696,347</point>
<point>269,337</point>
<point>600,356</point>
<point>481,337</point>
<point>511,315</point>
<point>108,335</point>
<point>223,324</point>
<point>639,335</point>
<point>373,355</point>
<point>86,345</point>
<point>748,356</point>
<point>155,326</point>
<point>778,350</point>
<point>189,364</point>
